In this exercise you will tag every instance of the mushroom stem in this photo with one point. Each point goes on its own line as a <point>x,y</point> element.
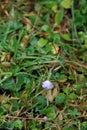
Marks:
<point>47,102</point>
<point>48,96</point>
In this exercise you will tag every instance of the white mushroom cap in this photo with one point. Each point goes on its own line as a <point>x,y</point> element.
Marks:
<point>47,85</point>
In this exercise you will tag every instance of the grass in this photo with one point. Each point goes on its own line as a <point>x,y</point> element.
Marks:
<point>43,40</point>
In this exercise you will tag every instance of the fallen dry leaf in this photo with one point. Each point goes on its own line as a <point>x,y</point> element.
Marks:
<point>25,41</point>
<point>55,49</point>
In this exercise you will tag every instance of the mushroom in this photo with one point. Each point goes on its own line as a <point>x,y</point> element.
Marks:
<point>48,86</point>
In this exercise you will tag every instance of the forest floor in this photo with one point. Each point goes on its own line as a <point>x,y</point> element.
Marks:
<point>43,40</point>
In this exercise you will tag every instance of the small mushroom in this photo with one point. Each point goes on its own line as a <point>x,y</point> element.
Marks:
<point>48,86</point>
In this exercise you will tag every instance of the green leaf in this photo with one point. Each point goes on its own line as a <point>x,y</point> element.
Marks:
<point>84,124</point>
<point>72,96</point>
<point>61,77</point>
<point>50,112</point>
<point>67,128</point>
<point>67,90</point>
<point>41,103</point>
<point>15,106</point>
<point>45,28</point>
<point>18,124</point>
<point>14,83</point>
<point>8,126</point>
<point>32,17</point>
<point>48,48</point>
<point>2,110</point>
<point>7,105</point>
<point>66,4</point>
<point>85,38</point>
<point>61,98</point>
<point>78,87</point>
<point>8,84</point>
<point>49,4</point>
<point>41,100</point>
<point>73,112</point>
<point>58,17</point>
<point>42,42</point>
<point>66,37</point>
